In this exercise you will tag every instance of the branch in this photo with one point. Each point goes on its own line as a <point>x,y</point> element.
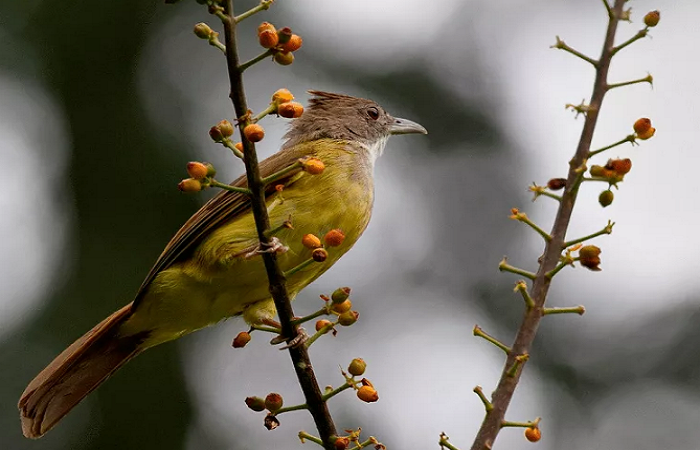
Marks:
<point>526,334</point>
<point>278,288</point>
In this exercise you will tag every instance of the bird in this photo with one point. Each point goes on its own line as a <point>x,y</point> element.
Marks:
<point>210,270</point>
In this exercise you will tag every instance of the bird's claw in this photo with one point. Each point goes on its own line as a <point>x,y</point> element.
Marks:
<point>275,246</point>
<point>299,340</point>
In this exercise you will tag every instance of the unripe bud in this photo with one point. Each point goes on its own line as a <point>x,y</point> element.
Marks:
<point>313,166</point>
<point>589,257</point>
<point>357,367</point>
<point>310,241</point>
<point>268,39</point>
<point>341,443</point>
<point>533,434</point>
<point>319,254</point>
<point>606,198</point>
<point>190,185</point>
<point>340,295</point>
<point>290,110</point>
<point>348,318</point>
<point>254,132</point>
<point>367,394</point>
<point>241,339</point>
<point>215,134</point>
<point>273,402</point>
<point>284,58</point>
<point>285,34</point>
<point>239,146</point>
<point>556,183</point>
<point>226,128</point>
<point>255,403</point>
<point>323,323</point>
<point>342,307</point>
<point>293,44</point>
<point>334,238</point>
<point>651,19</point>
<point>282,96</point>
<point>202,30</point>
<point>197,170</point>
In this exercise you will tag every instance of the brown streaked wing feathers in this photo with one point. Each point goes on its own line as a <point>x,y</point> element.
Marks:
<point>222,208</point>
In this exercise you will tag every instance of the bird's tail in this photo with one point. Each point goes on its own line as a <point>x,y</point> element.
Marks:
<point>75,373</point>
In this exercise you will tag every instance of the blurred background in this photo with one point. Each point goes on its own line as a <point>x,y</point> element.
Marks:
<point>102,104</point>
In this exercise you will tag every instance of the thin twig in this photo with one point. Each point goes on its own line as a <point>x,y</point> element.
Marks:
<point>503,394</point>
<point>278,288</point>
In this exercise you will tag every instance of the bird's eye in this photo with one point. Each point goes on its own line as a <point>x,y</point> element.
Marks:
<point>373,113</point>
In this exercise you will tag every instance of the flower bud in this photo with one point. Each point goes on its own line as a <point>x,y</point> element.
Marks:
<point>197,170</point>
<point>651,19</point>
<point>599,171</point>
<point>606,198</point>
<point>323,323</point>
<point>254,132</point>
<point>348,317</point>
<point>341,443</point>
<point>319,254</point>
<point>290,110</point>
<point>285,34</point>
<point>255,403</point>
<point>241,339</point>
<point>284,58</point>
<point>367,394</point>
<point>282,96</point>
<point>312,166</point>
<point>647,134</point>
<point>239,146</point>
<point>293,44</point>
<point>556,183</point>
<point>190,185</point>
<point>589,257</point>
<point>619,166</point>
<point>642,125</point>
<point>268,39</point>
<point>310,241</point>
<point>334,238</point>
<point>226,128</point>
<point>202,30</point>
<point>357,367</point>
<point>273,402</point>
<point>533,434</point>
<point>342,307</point>
<point>215,134</point>
<point>340,295</point>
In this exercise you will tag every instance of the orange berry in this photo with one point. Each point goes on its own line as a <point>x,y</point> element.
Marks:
<point>319,254</point>
<point>533,434</point>
<point>311,241</point>
<point>290,110</point>
<point>254,132</point>
<point>334,238</point>
<point>190,185</point>
<point>341,443</point>
<point>651,19</point>
<point>266,26</point>
<point>239,146</point>
<point>197,170</point>
<point>647,134</point>
<point>642,125</point>
<point>313,166</point>
<point>619,166</point>
<point>282,96</point>
<point>241,339</point>
<point>273,401</point>
<point>367,394</point>
<point>293,44</point>
<point>284,58</point>
<point>322,324</point>
<point>342,307</point>
<point>268,39</point>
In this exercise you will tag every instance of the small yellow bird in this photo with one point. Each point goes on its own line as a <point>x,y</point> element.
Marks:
<point>206,272</point>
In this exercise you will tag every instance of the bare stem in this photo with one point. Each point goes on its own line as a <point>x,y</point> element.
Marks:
<point>228,143</point>
<point>503,394</point>
<point>255,60</point>
<point>629,138</point>
<point>278,287</point>
<point>264,4</point>
<point>562,46</point>
<point>482,334</point>
<point>228,187</point>
<point>640,35</point>
<point>607,230</point>
<point>580,310</point>
<point>647,79</point>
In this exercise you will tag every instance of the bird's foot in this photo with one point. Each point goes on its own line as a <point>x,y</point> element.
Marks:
<point>299,340</point>
<point>275,246</point>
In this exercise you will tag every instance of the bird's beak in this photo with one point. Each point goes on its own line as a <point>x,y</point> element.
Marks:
<point>405,126</point>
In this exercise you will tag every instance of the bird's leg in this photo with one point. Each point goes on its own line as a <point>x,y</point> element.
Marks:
<point>299,340</point>
<point>275,246</point>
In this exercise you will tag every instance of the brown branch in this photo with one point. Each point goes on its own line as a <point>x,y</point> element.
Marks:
<point>278,288</point>
<point>528,329</point>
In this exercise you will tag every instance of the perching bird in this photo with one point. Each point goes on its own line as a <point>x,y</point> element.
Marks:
<point>206,272</point>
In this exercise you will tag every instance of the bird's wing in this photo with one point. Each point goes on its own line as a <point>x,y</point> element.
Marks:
<point>225,206</point>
